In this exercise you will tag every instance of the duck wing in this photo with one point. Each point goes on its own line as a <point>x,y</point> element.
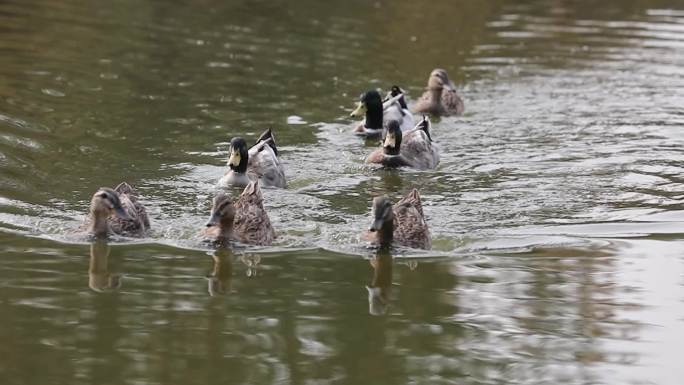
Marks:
<point>139,221</point>
<point>252,224</point>
<point>453,104</point>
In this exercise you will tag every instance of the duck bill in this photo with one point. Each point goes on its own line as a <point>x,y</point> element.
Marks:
<point>376,225</point>
<point>359,111</point>
<point>214,220</point>
<point>121,213</point>
<point>234,159</point>
<point>390,141</point>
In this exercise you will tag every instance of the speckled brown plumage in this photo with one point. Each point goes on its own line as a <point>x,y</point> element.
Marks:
<point>440,98</point>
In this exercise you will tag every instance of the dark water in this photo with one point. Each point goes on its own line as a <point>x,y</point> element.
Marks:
<point>556,213</point>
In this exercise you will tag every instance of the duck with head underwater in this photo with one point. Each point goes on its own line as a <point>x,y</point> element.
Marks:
<point>440,97</point>
<point>259,162</point>
<point>244,220</point>
<point>411,149</point>
<point>116,211</point>
<point>377,113</point>
<point>403,223</point>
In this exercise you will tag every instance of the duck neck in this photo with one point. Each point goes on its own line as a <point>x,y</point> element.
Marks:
<point>99,226</point>
<point>386,232</point>
<point>435,93</point>
<point>374,116</point>
<point>225,229</point>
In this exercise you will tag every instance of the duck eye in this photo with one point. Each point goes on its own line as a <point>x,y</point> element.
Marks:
<point>103,195</point>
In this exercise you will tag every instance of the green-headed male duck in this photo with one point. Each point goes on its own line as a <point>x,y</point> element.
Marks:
<point>378,113</point>
<point>259,162</point>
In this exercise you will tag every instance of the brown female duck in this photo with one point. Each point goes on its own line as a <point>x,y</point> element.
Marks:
<point>244,220</point>
<point>440,98</point>
<point>116,211</point>
<point>403,224</point>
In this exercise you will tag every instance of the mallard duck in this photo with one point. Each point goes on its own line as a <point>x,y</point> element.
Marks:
<point>417,146</point>
<point>244,220</point>
<point>403,223</point>
<point>440,97</point>
<point>412,149</point>
<point>116,211</point>
<point>376,112</point>
<point>259,162</point>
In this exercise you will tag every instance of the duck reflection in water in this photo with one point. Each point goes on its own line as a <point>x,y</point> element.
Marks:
<point>221,278</point>
<point>99,277</point>
<point>381,285</point>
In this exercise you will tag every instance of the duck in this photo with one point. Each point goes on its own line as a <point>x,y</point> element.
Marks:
<point>414,149</point>
<point>259,162</point>
<point>377,112</point>
<point>244,220</point>
<point>440,97</point>
<point>116,211</point>
<point>402,223</point>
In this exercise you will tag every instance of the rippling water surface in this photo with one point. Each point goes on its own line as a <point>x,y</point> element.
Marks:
<point>556,212</point>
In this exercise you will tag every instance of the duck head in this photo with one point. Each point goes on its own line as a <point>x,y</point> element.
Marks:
<point>392,143</point>
<point>239,155</point>
<point>370,106</point>
<point>383,220</point>
<point>438,79</point>
<point>222,212</point>
<point>105,203</point>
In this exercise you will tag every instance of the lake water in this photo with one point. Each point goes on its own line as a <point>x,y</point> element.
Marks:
<point>557,212</point>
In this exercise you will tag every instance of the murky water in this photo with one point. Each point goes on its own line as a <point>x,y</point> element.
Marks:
<point>556,213</point>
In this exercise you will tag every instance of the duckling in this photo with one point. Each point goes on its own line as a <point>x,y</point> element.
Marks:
<point>376,112</point>
<point>412,149</point>
<point>259,162</point>
<point>118,212</point>
<point>403,223</point>
<point>244,220</point>
<point>440,97</point>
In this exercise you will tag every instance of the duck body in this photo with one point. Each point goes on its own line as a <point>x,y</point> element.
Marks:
<point>440,97</point>
<point>260,162</point>
<point>117,211</point>
<point>413,149</point>
<point>402,223</point>
<point>245,220</point>
<point>378,112</point>
<point>419,148</point>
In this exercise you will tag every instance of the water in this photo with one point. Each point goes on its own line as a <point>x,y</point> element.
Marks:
<point>556,212</point>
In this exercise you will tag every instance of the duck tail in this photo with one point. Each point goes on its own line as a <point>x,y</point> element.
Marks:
<point>424,125</point>
<point>125,188</point>
<point>267,137</point>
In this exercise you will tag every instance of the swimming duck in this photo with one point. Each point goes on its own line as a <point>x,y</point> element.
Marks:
<point>377,112</point>
<point>116,211</point>
<point>417,146</point>
<point>404,223</point>
<point>259,162</point>
<point>244,220</point>
<point>440,97</point>
<point>412,149</point>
